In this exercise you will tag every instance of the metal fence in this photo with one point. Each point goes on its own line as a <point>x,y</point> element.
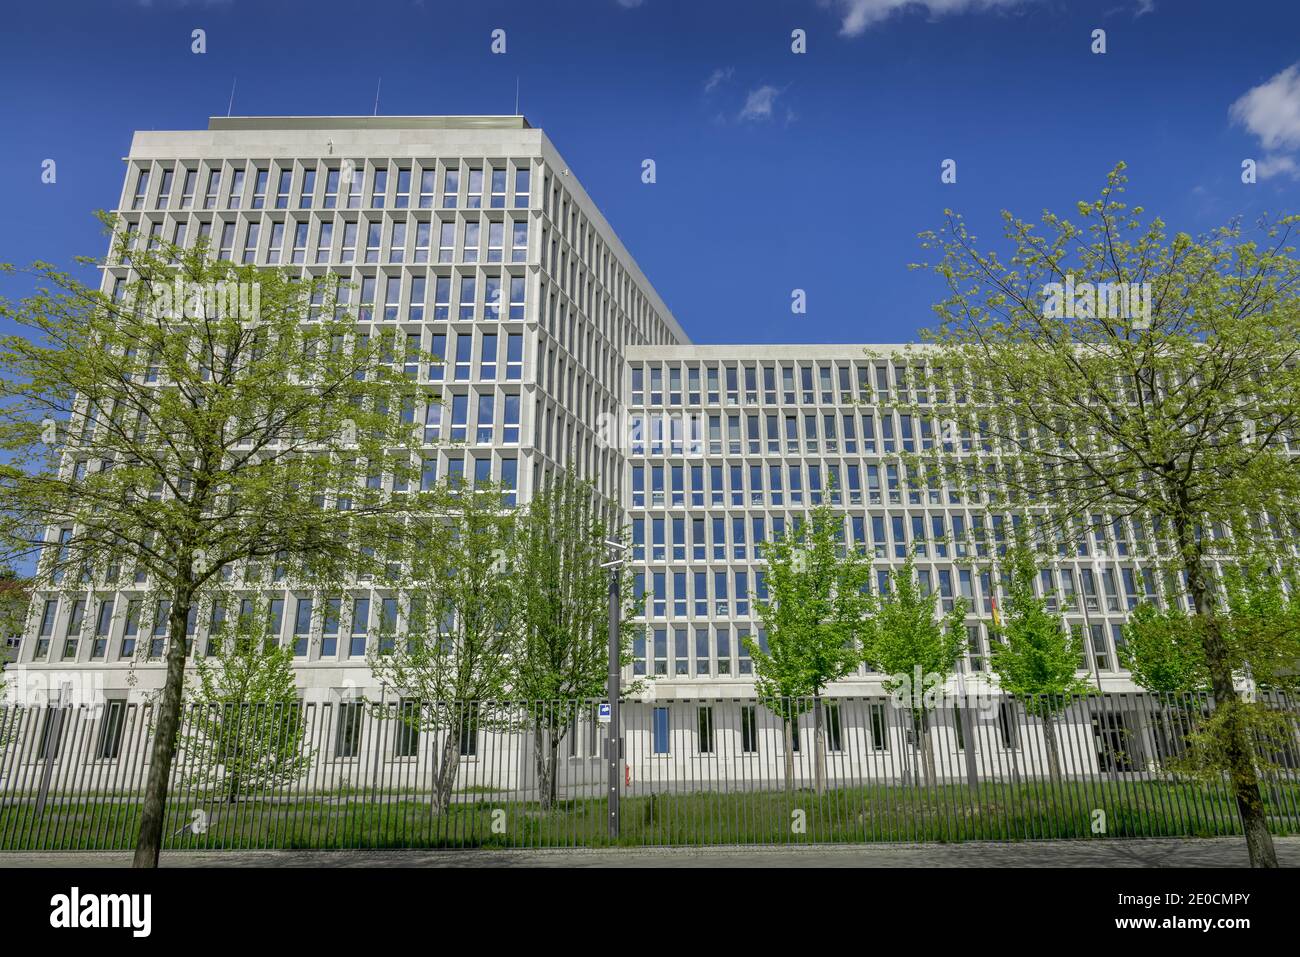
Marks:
<point>693,772</point>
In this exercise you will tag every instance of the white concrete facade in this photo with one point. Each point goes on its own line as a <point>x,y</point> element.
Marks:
<point>441,216</point>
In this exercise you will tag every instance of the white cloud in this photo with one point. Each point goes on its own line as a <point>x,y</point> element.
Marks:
<point>1271,113</point>
<point>1277,164</point>
<point>759,103</point>
<point>1271,110</point>
<point>859,15</point>
<point>718,77</point>
<point>630,4</point>
<point>1144,7</point>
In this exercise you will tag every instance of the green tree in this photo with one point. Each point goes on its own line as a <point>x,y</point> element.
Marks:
<point>1117,372</point>
<point>1163,650</point>
<point>1260,624</point>
<point>914,650</point>
<point>451,671</point>
<point>164,430</point>
<point>1035,656</point>
<point>561,605</point>
<point>245,729</point>
<point>817,598</point>
<point>15,596</point>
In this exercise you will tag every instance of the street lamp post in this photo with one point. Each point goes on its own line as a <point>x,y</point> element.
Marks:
<point>612,750</point>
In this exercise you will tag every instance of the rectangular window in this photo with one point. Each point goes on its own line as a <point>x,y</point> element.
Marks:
<point>307,190</point>
<point>103,625</point>
<point>329,645</point>
<point>834,738</point>
<point>470,243</point>
<point>282,192</point>
<point>260,178</point>
<point>46,632</point>
<point>442,298</point>
<point>488,357</point>
<point>302,626</point>
<point>660,731</point>
<point>352,174</point>
<point>108,745</point>
<point>704,719</point>
<point>423,232</point>
<point>879,728</point>
<point>1007,726</point>
<point>331,198</point>
<point>469,733</point>
<point>214,187</point>
<point>407,744</point>
<point>459,417</point>
<point>468,297</point>
<point>360,627</point>
<point>519,241</point>
<point>397,243</point>
<point>402,197</point>
<point>72,635</point>
<point>485,424</point>
<point>516,298</point>
<point>347,740</point>
<point>748,729</point>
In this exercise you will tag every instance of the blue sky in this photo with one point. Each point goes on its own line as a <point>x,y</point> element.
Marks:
<point>775,171</point>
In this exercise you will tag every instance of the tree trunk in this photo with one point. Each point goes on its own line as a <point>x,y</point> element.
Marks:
<point>1237,749</point>
<point>153,811</point>
<point>232,787</point>
<point>448,767</point>
<point>545,765</point>
<point>819,745</point>
<point>927,751</point>
<point>789,755</point>
<point>1053,750</point>
<point>554,758</point>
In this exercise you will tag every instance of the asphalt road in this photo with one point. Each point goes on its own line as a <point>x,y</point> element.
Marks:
<point>1117,853</point>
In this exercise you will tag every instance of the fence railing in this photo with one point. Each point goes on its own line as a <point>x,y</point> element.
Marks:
<point>693,772</point>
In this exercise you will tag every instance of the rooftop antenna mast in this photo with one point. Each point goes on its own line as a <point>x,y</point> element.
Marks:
<point>230,106</point>
<point>516,96</point>
<point>377,86</point>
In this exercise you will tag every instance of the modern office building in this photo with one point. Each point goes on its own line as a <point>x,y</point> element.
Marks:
<point>472,234</point>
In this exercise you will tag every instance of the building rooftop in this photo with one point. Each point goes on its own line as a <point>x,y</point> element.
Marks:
<point>368,123</point>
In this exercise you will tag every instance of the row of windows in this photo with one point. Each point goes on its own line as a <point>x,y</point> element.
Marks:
<point>701,651</point>
<point>806,383</point>
<point>405,298</point>
<point>683,724</point>
<point>792,432</point>
<point>345,627</point>
<point>1067,589</point>
<point>350,628</point>
<point>323,241</point>
<point>348,184</point>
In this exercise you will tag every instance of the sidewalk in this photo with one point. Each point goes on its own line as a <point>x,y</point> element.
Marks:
<point>1216,852</point>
